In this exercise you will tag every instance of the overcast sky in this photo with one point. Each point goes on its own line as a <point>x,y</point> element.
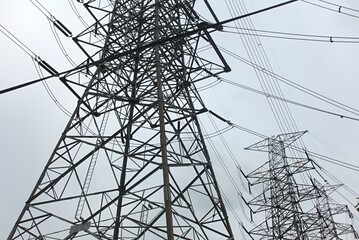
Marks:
<point>31,123</point>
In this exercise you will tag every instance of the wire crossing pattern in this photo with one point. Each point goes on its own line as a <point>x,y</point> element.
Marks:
<point>134,134</point>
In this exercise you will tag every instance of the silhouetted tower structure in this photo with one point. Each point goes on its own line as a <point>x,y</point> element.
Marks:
<point>293,204</point>
<point>326,209</point>
<point>132,162</point>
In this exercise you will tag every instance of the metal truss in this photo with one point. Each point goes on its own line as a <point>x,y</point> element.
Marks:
<point>132,162</point>
<point>293,204</point>
<point>324,224</point>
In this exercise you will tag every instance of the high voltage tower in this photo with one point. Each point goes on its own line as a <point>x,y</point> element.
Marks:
<point>132,162</point>
<point>293,204</point>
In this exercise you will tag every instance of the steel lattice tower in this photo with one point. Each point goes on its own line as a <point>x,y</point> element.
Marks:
<point>326,209</point>
<point>293,208</point>
<point>131,162</point>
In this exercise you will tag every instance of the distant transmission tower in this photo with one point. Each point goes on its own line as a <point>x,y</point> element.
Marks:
<point>326,209</point>
<point>131,162</point>
<point>292,203</point>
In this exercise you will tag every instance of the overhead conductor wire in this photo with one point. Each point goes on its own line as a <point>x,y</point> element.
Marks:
<point>293,84</point>
<point>147,45</point>
<point>334,7</point>
<point>257,56</point>
<point>15,40</point>
<point>256,53</point>
<point>291,36</point>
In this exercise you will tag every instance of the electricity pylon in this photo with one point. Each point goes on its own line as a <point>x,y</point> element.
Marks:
<point>293,204</point>
<point>132,162</point>
<point>323,224</point>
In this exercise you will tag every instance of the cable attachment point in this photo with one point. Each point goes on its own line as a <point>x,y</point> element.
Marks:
<point>62,28</point>
<point>47,67</point>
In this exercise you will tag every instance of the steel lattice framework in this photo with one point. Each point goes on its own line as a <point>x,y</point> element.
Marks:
<point>132,162</point>
<point>323,224</point>
<point>293,209</point>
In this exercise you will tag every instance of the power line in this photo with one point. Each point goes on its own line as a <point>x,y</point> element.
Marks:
<point>76,12</point>
<point>296,148</point>
<point>293,84</point>
<point>286,100</point>
<point>201,27</point>
<point>327,159</point>
<point>338,9</point>
<point>42,9</point>
<point>15,40</point>
<point>293,36</point>
<point>280,110</point>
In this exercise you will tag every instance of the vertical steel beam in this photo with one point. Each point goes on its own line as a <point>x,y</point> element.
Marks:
<point>163,140</point>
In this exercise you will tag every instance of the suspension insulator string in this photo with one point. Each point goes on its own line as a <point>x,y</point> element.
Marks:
<point>57,23</point>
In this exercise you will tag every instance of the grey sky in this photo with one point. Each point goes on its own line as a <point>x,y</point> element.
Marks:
<point>31,123</point>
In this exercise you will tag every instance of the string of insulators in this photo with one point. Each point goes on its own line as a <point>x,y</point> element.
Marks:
<point>47,67</point>
<point>29,52</point>
<point>59,25</point>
